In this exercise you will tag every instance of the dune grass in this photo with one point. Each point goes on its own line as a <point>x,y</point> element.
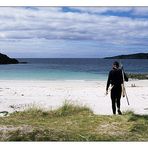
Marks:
<point>72,123</point>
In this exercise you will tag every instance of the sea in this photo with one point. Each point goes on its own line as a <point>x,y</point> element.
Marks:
<point>68,68</point>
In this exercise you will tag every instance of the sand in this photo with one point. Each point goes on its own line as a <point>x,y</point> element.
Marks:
<point>21,94</point>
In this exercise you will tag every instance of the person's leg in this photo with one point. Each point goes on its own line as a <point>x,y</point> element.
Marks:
<point>113,99</point>
<point>118,106</point>
<point>118,100</point>
<point>118,103</point>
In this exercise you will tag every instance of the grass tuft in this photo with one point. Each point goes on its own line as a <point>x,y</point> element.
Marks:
<point>66,109</point>
<point>71,109</point>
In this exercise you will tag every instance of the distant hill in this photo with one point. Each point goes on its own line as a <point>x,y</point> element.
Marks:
<point>4,59</point>
<point>130,56</point>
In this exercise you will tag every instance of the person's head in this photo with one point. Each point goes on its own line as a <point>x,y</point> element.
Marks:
<point>115,65</point>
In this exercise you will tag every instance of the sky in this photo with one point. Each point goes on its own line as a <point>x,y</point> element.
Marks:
<point>73,32</point>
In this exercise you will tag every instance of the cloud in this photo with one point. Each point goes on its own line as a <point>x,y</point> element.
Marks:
<point>83,24</point>
<point>140,11</point>
<point>100,10</point>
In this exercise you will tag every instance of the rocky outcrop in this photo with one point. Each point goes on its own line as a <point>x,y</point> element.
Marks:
<point>4,59</point>
<point>130,56</point>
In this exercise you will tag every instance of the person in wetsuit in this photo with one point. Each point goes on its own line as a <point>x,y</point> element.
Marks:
<point>115,78</point>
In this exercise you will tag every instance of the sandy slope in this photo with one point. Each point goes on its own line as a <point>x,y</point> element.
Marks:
<point>51,94</point>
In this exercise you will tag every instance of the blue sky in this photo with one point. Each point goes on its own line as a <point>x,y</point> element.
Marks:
<point>73,32</point>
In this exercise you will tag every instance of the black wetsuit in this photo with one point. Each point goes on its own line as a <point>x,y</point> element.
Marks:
<point>115,79</point>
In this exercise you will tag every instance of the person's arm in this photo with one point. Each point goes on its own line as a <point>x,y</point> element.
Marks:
<point>125,77</point>
<point>108,82</point>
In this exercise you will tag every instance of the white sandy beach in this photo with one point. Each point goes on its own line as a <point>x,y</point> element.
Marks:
<point>51,94</point>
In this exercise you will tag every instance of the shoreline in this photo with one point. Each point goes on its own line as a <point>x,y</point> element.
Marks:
<point>51,94</point>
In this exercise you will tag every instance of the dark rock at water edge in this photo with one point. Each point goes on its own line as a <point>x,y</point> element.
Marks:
<point>138,76</point>
<point>4,59</point>
<point>130,56</point>
<point>23,62</point>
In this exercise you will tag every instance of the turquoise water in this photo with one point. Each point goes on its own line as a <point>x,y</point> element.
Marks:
<point>48,75</point>
<point>67,69</point>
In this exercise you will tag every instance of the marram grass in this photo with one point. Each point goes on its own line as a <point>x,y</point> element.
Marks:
<point>72,123</point>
